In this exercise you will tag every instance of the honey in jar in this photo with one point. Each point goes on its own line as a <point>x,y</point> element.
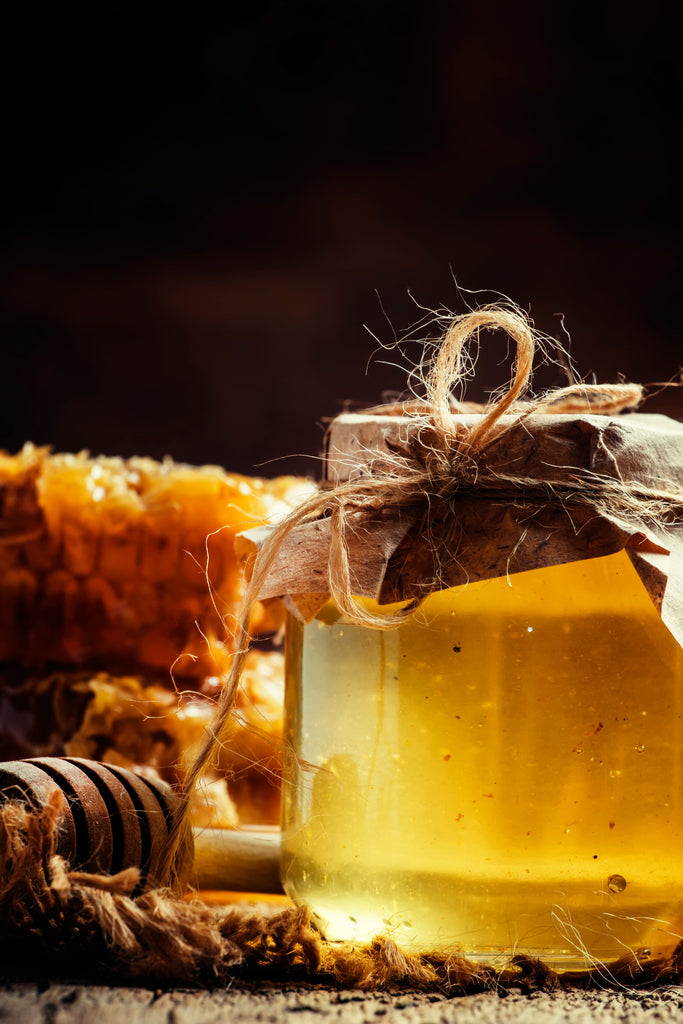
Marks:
<point>499,774</point>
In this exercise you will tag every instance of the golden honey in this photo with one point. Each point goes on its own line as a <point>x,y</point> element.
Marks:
<point>500,774</point>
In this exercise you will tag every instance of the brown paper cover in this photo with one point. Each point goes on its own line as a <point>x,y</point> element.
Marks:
<point>496,528</point>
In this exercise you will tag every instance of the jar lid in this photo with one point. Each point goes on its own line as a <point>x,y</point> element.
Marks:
<point>548,489</point>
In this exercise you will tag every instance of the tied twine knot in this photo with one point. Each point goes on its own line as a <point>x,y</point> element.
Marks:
<point>446,455</point>
<point>444,459</point>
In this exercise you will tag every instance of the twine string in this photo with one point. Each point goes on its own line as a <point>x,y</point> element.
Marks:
<point>429,477</point>
<point>447,371</point>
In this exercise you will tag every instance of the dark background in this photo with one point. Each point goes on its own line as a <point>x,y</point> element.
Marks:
<point>202,211</point>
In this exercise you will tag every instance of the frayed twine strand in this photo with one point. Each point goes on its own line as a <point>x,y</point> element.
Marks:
<point>431,477</point>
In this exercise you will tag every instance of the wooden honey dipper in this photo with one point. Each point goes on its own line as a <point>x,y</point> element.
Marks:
<point>115,818</point>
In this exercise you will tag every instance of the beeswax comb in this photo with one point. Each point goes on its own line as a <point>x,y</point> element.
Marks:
<point>114,818</point>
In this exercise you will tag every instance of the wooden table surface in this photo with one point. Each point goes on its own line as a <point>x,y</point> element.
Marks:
<point>35,1003</point>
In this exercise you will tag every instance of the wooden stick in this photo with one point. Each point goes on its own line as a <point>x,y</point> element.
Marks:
<point>238,860</point>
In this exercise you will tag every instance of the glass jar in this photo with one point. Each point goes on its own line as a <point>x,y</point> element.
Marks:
<point>500,774</point>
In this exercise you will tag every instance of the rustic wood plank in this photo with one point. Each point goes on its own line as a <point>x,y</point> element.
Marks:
<point>94,1004</point>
